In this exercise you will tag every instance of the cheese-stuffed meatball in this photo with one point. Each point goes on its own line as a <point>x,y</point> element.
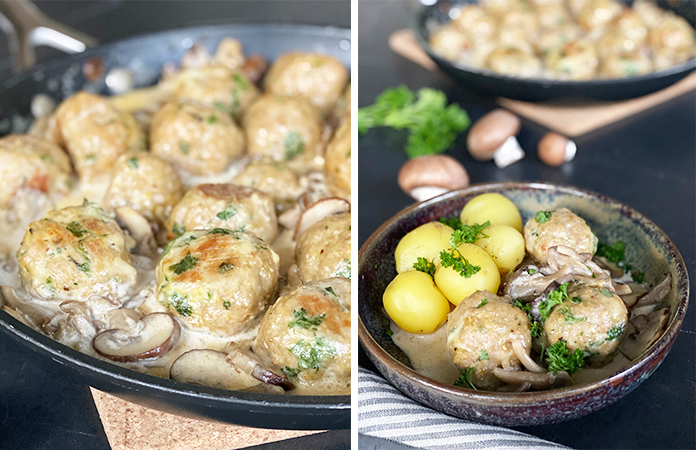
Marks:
<point>30,163</point>
<point>323,250</point>
<point>217,86</point>
<point>316,78</point>
<point>480,335</point>
<point>514,62</point>
<point>273,178</point>
<point>95,133</point>
<point>306,334</point>
<point>576,60</point>
<point>285,129</point>
<point>626,66</point>
<point>558,227</point>
<point>217,280</point>
<point>195,138</point>
<point>146,183</point>
<point>74,253</point>
<point>229,206</point>
<point>338,157</point>
<point>592,320</point>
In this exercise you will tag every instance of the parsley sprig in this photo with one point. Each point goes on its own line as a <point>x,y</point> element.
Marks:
<point>559,358</point>
<point>424,265</point>
<point>464,379</point>
<point>454,259</point>
<point>468,233</point>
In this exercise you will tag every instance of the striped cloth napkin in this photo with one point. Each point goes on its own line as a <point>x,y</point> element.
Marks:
<point>386,413</point>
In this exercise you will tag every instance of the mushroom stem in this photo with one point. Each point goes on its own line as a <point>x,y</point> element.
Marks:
<point>423,193</point>
<point>536,380</point>
<point>525,359</point>
<point>508,153</point>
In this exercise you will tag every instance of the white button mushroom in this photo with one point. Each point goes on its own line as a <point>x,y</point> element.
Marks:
<point>493,137</point>
<point>428,176</point>
<point>555,149</point>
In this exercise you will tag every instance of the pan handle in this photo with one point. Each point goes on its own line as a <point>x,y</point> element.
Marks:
<point>26,27</point>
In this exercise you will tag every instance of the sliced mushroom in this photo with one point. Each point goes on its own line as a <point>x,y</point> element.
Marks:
<point>635,345</point>
<point>525,359</point>
<point>637,290</point>
<point>289,218</point>
<point>428,176</point>
<point>612,267</point>
<point>139,228</point>
<point>152,336</point>
<point>657,293</point>
<point>323,208</point>
<point>210,368</point>
<point>245,360</point>
<point>34,315</point>
<point>122,318</point>
<point>79,317</point>
<point>546,380</point>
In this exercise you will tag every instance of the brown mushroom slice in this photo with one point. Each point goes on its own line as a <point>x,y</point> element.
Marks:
<point>122,318</point>
<point>637,290</point>
<point>139,229</point>
<point>525,359</point>
<point>657,293</point>
<point>210,368</point>
<point>428,176</point>
<point>289,218</point>
<point>546,380</point>
<point>612,267</point>
<point>245,360</point>
<point>152,336</point>
<point>635,345</point>
<point>323,208</point>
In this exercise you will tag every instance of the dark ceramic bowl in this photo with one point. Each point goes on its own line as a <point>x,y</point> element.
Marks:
<point>647,247</point>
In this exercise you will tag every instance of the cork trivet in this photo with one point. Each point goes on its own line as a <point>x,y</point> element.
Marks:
<point>571,119</point>
<point>133,427</point>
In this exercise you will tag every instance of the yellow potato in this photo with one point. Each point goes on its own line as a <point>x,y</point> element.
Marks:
<point>504,245</point>
<point>494,208</point>
<point>457,287</point>
<point>414,303</point>
<point>426,241</point>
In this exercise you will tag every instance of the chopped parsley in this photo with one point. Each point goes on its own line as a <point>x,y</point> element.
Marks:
<point>184,147</point>
<point>228,212</point>
<point>76,229</point>
<point>294,145</point>
<point>543,216</point>
<point>613,253</point>
<point>389,333</point>
<point>614,333</point>
<point>559,358</point>
<point>291,372</point>
<point>484,302</point>
<point>212,120</point>
<point>452,222</point>
<point>424,265</point>
<point>226,304</point>
<point>569,317</point>
<point>306,322</point>
<point>484,356</point>
<point>468,233</point>
<point>554,298</point>
<point>344,269</point>
<point>84,267</point>
<point>606,292</point>
<point>531,271</point>
<point>330,292</point>
<point>223,231</point>
<point>243,85</point>
<point>465,379</point>
<point>133,163</point>
<point>454,259</point>
<point>312,355</point>
<point>178,229</point>
<point>535,327</point>
<point>225,267</point>
<point>188,263</point>
<point>181,304</point>
<point>638,277</point>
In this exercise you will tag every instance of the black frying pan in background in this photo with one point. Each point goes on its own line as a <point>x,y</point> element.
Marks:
<point>534,90</point>
<point>146,55</point>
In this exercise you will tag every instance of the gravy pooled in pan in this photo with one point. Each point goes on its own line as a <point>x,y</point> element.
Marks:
<point>197,230</point>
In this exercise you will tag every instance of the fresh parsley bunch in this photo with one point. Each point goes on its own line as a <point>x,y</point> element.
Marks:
<point>433,125</point>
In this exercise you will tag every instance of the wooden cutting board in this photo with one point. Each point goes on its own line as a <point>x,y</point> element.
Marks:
<point>568,119</point>
<point>133,427</point>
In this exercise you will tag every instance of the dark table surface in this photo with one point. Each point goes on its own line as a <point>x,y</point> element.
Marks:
<point>40,406</point>
<point>646,161</point>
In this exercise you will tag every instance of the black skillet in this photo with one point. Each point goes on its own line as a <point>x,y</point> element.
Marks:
<point>146,54</point>
<point>533,90</point>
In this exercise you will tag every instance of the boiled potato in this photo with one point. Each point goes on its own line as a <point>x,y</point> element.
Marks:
<point>494,208</point>
<point>426,241</point>
<point>504,245</point>
<point>414,303</point>
<point>456,286</point>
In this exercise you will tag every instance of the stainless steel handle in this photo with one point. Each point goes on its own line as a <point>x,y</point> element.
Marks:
<point>26,27</point>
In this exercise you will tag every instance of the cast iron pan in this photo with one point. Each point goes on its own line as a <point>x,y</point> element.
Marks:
<point>530,89</point>
<point>145,55</point>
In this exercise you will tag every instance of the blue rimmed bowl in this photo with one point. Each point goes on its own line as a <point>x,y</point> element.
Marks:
<point>647,247</point>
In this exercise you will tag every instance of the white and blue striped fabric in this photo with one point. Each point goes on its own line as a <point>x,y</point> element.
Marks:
<point>386,413</point>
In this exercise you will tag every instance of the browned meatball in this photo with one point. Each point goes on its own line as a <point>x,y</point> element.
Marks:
<point>342,110</point>
<point>217,280</point>
<point>146,183</point>
<point>673,42</point>
<point>30,163</point>
<point>195,138</point>
<point>316,78</point>
<point>306,333</point>
<point>338,157</point>
<point>575,60</point>
<point>285,129</point>
<point>74,253</point>
<point>480,335</point>
<point>323,250</point>
<point>211,206</point>
<point>597,14</point>
<point>559,227</point>
<point>273,178</point>
<point>95,133</point>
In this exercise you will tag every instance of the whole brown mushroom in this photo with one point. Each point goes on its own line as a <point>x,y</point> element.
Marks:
<point>427,176</point>
<point>555,149</point>
<point>493,137</point>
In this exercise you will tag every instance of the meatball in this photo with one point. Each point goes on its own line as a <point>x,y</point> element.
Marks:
<point>514,36</point>
<point>217,280</point>
<point>283,128</point>
<point>480,333</point>
<point>476,23</point>
<point>30,163</point>
<point>146,183</point>
<point>553,16</point>
<point>592,320</point>
<point>596,14</point>
<point>273,178</point>
<point>575,60</point>
<point>558,227</point>
<point>217,86</point>
<point>323,250</point>
<point>552,39</point>
<point>342,110</point>
<point>316,78</point>
<point>651,14</point>
<point>211,206</point>
<point>306,333</point>
<point>195,138</point>
<point>673,40</point>
<point>95,133</point>
<point>338,157</point>
<point>625,66</point>
<point>450,42</point>
<point>514,62</point>
<point>74,253</point>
